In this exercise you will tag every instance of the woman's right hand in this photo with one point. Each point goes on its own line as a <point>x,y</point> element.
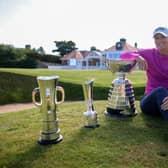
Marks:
<point>142,64</point>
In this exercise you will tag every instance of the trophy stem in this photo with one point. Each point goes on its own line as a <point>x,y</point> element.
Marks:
<point>121,75</point>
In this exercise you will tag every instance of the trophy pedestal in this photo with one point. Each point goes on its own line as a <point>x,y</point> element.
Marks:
<point>91,119</point>
<point>48,142</point>
<point>121,101</point>
<point>117,113</point>
<point>50,136</point>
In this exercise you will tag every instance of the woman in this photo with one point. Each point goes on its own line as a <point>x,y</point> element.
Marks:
<point>155,62</point>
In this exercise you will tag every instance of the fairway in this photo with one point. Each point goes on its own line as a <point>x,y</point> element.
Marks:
<point>16,85</point>
<point>138,142</point>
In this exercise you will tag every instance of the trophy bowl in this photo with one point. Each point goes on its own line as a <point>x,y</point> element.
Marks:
<point>121,65</point>
<point>121,100</point>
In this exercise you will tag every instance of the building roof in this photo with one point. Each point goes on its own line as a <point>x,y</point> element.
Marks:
<point>73,54</point>
<point>124,46</point>
<point>84,53</point>
<point>76,54</point>
<point>127,47</point>
<point>95,53</point>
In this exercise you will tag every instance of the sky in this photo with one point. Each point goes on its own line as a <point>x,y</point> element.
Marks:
<point>99,23</point>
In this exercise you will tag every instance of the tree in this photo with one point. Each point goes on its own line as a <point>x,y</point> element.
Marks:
<point>65,47</point>
<point>41,50</point>
<point>16,57</point>
<point>93,48</point>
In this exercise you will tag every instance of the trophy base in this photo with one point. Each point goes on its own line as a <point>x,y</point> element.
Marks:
<point>118,113</point>
<point>91,126</point>
<point>49,142</point>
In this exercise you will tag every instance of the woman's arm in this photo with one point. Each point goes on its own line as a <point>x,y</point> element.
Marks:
<point>142,64</point>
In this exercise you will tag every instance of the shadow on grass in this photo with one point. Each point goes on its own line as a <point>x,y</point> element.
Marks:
<point>75,92</point>
<point>117,141</point>
<point>17,88</point>
<point>27,158</point>
<point>154,121</point>
<point>124,132</point>
<point>99,147</point>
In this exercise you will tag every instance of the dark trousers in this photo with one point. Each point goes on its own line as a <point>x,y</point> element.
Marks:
<point>151,103</point>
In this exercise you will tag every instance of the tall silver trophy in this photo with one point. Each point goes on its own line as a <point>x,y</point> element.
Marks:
<point>91,119</point>
<point>121,100</point>
<point>48,88</point>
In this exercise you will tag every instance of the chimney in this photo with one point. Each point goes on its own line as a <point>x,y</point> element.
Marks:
<point>27,46</point>
<point>123,41</point>
<point>135,45</point>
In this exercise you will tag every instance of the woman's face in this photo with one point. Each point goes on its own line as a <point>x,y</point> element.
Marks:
<point>161,42</point>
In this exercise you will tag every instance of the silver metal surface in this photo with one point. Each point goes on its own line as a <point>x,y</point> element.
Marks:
<point>91,120</point>
<point>121,100</point>
<point>119,65</point>
<point>48,88</point>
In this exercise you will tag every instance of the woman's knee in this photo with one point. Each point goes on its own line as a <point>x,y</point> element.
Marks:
<point>148,105</point>
<point>161,89</point>
<point>143,106</point>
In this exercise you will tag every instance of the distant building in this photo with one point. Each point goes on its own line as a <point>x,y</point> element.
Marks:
<point>74,57</point>
<point>118,48</point>
<point>84,59</point>
<point>96,59</point>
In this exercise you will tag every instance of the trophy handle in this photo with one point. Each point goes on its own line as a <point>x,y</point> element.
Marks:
<point>60,89</point>
<point>33,97</point>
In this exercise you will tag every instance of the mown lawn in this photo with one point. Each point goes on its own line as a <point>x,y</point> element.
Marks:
<point>139,142</point>
<point>16,85</point>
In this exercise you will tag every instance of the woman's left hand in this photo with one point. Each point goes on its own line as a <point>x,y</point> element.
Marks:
<point>164,105</point>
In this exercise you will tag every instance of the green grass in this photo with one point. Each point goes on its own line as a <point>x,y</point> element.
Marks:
<point>139,142</point>
<point>16,85</point>
<point>78,76</point>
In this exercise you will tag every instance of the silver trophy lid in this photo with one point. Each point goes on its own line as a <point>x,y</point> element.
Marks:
<point>47,77</point>
<point>89,81</point>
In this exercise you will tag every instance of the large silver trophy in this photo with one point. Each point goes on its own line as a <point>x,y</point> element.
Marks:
<point>121,100</point>
<point>48,88</point>
<point>91,119</point>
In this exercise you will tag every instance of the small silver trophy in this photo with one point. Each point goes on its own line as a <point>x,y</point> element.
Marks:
<point>121,100</point>
<point>91,120</point>
<point>48,88</point>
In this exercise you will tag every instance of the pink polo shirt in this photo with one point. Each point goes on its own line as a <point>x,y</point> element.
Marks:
<point>157,71</point>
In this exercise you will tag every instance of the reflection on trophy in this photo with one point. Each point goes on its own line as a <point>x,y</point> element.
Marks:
<point>121,100</point>
<point>48,89</point>
<point>90,114</point>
